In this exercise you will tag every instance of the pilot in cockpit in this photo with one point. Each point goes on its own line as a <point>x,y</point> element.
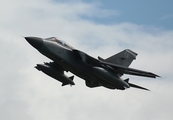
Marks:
<point>61,42</point>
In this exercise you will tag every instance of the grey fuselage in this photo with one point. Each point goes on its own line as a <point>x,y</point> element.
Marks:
<point>65,58</point>
<point>93,74</point>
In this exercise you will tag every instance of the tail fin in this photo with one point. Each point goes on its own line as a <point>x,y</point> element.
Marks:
<point>123,58</point>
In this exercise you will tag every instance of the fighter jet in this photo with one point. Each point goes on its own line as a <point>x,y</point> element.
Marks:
<point>95,72</point>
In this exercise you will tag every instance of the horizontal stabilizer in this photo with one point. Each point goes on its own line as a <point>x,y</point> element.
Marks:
<point>136,86</point>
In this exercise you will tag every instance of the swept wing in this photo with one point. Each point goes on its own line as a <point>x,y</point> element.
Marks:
<point>131,71</point>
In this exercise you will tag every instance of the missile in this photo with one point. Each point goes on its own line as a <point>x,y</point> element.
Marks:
<point>48,70</point>
<point>112,78</point>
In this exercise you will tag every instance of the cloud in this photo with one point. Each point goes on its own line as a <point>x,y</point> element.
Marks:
<point>29,94</point>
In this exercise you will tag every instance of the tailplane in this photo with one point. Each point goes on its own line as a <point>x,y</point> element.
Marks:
<point>135,86</point>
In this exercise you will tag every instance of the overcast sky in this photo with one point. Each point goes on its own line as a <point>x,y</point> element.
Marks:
<point>99,28</point>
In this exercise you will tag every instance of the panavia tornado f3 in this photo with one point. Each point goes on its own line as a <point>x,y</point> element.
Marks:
<point>95,72</point>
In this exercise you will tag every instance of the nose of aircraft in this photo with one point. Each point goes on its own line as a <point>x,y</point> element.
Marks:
<point>35,42</point>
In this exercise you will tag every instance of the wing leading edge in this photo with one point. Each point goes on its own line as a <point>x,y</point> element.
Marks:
<point>130,71</point>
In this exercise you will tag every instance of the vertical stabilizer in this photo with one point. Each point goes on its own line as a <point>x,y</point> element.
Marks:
<point>123,58</point>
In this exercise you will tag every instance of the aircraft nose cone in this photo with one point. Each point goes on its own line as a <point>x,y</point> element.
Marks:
<point>35,42</point>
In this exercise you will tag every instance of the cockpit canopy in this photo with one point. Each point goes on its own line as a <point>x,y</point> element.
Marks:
<point>61,42</point>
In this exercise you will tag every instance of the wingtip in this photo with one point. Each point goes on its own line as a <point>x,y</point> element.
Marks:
<point>154,75</point>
